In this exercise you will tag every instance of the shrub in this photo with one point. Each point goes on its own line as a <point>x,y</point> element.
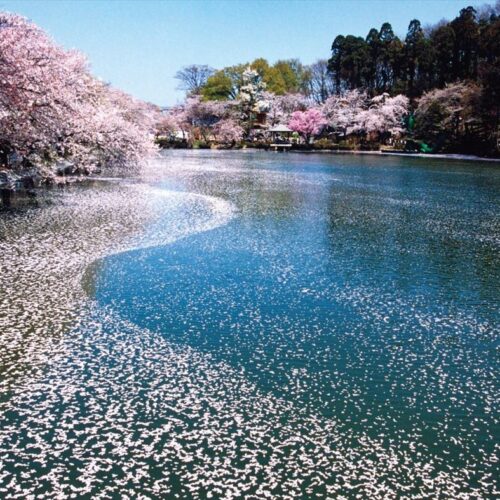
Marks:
<point>324,144</point>
<point>346,146</point>
<point>200,144</point>
<point>369,146</point>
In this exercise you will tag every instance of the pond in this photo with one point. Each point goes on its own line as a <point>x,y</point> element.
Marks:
<point>249,324</point>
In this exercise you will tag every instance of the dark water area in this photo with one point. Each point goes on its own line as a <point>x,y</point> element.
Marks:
<point>358,293</point>
<point>363,289</point>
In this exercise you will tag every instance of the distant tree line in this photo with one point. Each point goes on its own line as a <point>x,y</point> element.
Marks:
<point>467,48</point>
<point>449,72</point>
<point>283,77</point>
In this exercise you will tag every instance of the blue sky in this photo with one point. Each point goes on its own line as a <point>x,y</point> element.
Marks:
<point>139,45</point>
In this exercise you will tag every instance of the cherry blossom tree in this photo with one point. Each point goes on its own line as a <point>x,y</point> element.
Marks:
<point>307,123</point>
<point>37,82</point>
<point>448,108</point>
<point>281,107</point>
<point>355,113</point>
<point>200,116</point>
<point>121,129</point>
<point>343,112</point>
<point>51,107</point>
<point>252,96</point>
<point>166,126</point>
<point>228,131</point>
<point>384,116</point>
<point>198,119</point>
<point>179,121</point>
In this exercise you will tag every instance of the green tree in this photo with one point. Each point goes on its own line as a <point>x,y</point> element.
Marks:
<point>389,58</point>
<point>283,77</point>
<point>489,77</point>
<point>218,87</point>
<point>354,61</point>
<point>414,47</point>
<point>290,72</point>
<point>370,71</point>
<point>275,82</point>
<point>426,67</point>
<point>335,62</point>
<point>465,50</point>
<point>235,73</point>
<point>443,42</point>
<point>261,66</point>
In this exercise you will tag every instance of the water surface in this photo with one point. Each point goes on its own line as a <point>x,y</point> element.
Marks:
<point>331,320</point>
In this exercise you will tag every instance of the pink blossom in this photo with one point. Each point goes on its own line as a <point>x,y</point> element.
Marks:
<point>52,107</point>
<point>343,112</point>
<point>385,115</point>
<point>307,123</point>
<point>281,107</point>
<point>228,131</point>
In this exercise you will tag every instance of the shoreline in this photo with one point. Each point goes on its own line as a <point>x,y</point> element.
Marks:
<point>440,156</point>
<point>67,180</point>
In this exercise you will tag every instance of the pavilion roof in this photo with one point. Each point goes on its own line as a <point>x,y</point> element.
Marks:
<point>280,128</point>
